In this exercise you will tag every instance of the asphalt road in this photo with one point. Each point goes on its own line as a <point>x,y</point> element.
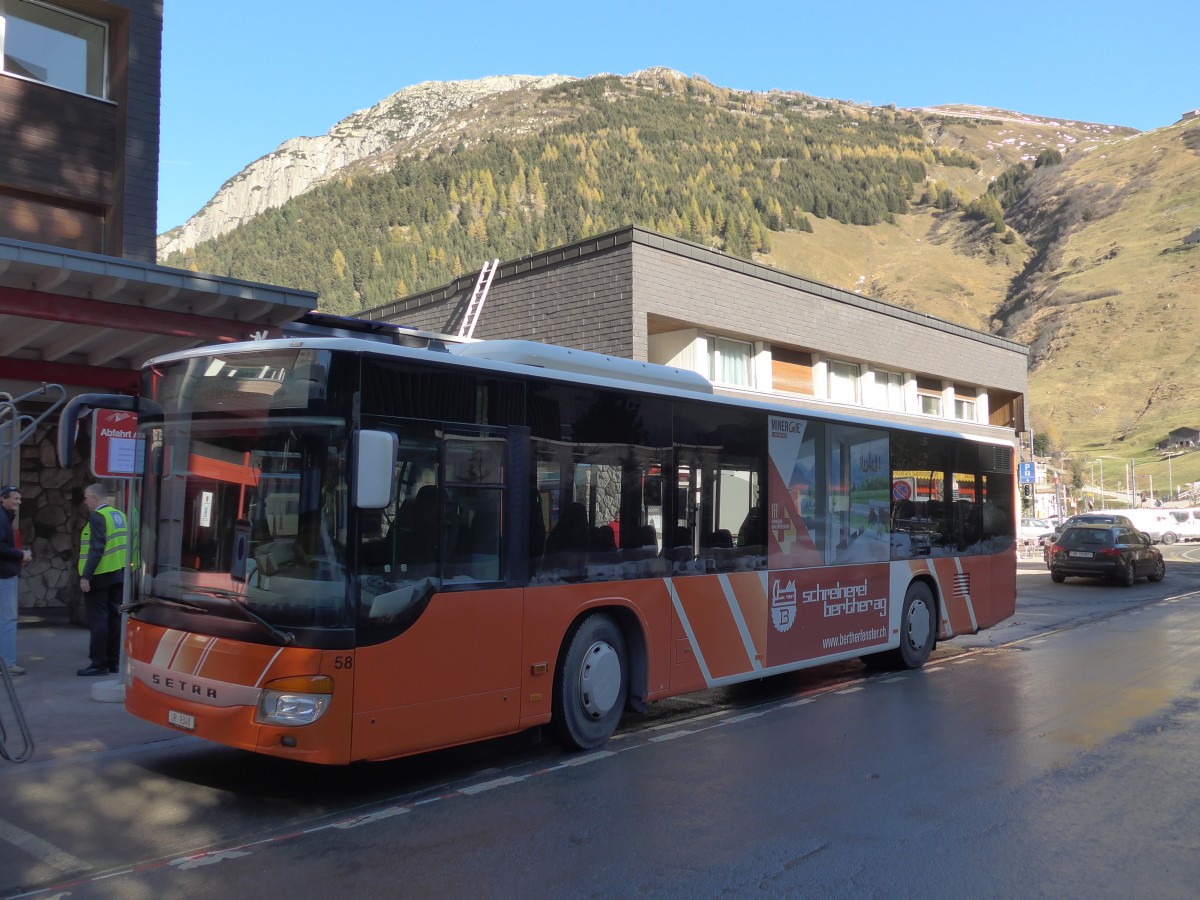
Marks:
<point>1053,755</point>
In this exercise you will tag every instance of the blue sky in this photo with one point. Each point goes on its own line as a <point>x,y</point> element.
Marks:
<point>240,78</point>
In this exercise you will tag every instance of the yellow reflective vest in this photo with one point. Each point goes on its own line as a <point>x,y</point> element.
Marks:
<point>116,534</point>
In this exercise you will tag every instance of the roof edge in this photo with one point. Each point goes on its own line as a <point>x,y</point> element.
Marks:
<point>635,234</point>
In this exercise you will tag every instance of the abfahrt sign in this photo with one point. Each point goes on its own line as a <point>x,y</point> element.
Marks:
<point>116,446</point>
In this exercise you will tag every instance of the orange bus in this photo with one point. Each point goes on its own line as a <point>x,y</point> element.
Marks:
<point>358,550</point>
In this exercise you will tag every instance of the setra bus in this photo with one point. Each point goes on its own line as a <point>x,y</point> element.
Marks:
<point>355,550</point>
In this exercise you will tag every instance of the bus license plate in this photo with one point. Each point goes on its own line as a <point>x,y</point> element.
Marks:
<point>183,720</point>
<point>1082,553</point>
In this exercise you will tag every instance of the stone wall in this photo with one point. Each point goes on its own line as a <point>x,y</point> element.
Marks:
<point>51,518</point>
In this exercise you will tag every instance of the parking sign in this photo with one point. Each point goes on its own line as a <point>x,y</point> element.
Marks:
<point>1025,473</point>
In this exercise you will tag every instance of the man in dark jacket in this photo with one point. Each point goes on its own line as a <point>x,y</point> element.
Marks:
<point>102,554</point>
<point>11,559</point>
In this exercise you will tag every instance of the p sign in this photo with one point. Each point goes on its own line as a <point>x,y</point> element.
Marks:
<point>116,445</point>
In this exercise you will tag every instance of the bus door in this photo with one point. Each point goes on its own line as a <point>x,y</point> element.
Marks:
<point>439,616</point>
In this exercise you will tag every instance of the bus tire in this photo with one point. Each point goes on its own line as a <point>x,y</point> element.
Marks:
<point>918,632</point>
<point>591,685</point>
<point>918,626</point>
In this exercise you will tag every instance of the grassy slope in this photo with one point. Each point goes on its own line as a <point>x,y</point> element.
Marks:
<point>1121,371</point>
<point>918,263</point>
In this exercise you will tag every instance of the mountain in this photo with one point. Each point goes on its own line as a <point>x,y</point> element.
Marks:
<point>1072,237</point>
<point>416,117</point>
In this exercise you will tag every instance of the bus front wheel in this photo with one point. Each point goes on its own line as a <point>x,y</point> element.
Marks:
<point>591,684</point>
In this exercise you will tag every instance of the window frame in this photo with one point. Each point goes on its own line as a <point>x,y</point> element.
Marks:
<point>923,396</point>
<point>854,379</point>
<point>889,393</point>
<point>715,360</point>
<point>100,43</point>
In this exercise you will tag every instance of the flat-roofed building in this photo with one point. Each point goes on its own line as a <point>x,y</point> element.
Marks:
<point>749,328</point>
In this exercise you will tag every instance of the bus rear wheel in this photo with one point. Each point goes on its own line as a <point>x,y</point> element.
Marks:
<point>918,626</point>
<point>591,684</point>
<point>918,632</point>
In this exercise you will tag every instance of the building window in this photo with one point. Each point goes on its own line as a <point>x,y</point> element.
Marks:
<point>53,46</point>
<point>931,404</point>
<point>929,396</point>
<point>843,381</point>
<point>889,390</point>
<point>964,409</point>
<point>732,362</point>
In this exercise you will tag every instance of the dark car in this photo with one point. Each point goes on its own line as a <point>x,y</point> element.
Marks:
<point>1096,518</point>
<point>1119,552</point>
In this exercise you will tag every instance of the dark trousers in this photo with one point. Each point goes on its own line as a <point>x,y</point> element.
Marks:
<point>104,622</point>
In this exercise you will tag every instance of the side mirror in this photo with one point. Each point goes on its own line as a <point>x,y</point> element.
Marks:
<point>374,466</point>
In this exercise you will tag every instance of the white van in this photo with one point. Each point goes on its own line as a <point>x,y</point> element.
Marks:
<point>1156,522</point>
<point>1186,527</point>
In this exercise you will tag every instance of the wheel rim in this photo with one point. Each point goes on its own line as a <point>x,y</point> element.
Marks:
<point>919,624</point>
<point>599,680</point>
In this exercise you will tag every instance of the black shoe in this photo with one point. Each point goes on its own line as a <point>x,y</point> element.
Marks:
<point>114,670</point>
<point>93,670</point>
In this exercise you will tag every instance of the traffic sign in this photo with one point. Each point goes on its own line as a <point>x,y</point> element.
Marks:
<point>1026,473</point>
<point>116,446</point>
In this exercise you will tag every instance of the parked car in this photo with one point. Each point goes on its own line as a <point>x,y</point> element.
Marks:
<point>1186,527</point>
<point>1034,530</point>
<point>1119,552</point>
<point>1092,518</point>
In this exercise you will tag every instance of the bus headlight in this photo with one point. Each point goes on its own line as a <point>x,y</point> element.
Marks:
<point>294,701</point>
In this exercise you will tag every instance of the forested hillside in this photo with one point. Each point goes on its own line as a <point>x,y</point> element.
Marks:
<point>715,166</point>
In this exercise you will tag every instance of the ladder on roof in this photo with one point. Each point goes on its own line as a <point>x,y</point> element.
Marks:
<point>471,316</point>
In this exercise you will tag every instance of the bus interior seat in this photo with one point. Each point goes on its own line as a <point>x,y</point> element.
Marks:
<point>570,532</point>
<point>680,549</point>
<point>722,538</point>
<point>602,539</point>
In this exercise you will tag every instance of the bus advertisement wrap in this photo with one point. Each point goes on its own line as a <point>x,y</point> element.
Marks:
<point>816,612</point>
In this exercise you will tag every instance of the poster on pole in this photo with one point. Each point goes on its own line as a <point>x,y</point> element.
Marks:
<point>116,445</point>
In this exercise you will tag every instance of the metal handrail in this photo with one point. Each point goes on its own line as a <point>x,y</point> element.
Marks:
<point>19,716</point>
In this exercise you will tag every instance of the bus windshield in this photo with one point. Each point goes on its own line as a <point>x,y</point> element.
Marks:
<point>245,498</point>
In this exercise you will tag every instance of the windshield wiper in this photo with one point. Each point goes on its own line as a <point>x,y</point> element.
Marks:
<point>233,600</point>
<point>135,605</point>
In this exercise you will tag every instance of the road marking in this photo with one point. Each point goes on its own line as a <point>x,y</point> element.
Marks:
<point>669,737</point>
<point>745,716</point>
<point>372,818</point>
<point>491,785</point>
<point>588,758</point>
<point>206,859</point>
<point>42,850</point>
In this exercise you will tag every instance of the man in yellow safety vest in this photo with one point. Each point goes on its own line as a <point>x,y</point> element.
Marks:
<point>102,550</point>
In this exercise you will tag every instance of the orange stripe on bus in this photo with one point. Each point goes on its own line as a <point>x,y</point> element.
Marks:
<point>718,639</point>
<point>751,594</point>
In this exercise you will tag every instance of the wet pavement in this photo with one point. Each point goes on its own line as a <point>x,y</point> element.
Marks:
<point>69,715</point>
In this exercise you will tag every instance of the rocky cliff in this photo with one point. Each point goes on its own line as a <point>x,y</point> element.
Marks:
<point>417,115</point>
